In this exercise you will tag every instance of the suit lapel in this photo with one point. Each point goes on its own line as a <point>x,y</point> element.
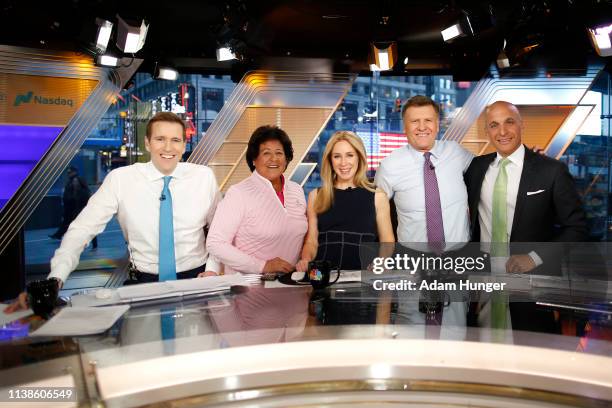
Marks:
<point>524,185</point>
<point>483,166</point>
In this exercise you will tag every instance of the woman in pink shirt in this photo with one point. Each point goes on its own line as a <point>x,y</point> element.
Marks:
<point>260,225</point>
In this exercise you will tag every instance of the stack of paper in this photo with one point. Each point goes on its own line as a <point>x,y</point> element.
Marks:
<point>10,317</point>
<point>161,290</point>
<point>81,321</point>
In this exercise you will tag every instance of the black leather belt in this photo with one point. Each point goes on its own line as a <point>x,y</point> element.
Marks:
<point>145,277</point>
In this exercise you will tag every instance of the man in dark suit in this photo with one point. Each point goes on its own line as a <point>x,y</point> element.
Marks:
<point>541,201</point>
<point>518,196</point>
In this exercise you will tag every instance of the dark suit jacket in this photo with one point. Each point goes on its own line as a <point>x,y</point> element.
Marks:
<point>553,215</point>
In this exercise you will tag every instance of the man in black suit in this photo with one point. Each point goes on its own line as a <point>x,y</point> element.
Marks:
<point>518,196</point>
<point>542,204</point>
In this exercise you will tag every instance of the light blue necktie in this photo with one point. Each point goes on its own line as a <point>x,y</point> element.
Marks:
<point>167,263</point>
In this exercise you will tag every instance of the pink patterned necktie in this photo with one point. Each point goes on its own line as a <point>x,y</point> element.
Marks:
<point>433,209</point>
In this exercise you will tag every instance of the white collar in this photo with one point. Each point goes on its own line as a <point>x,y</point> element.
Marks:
<point>435,150</point>
<point>153,173</point>
<point>517,157</point>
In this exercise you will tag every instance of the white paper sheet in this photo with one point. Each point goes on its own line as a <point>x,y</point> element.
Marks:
<point>79,321</point>
<point>208,283</point>
<point>160,290</point>
<point>178,287</point>
<point>144,290</point>
<point>10,317</point>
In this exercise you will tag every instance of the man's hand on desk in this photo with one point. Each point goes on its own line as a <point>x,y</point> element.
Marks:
<point>520,264</point>
<point>207,273</point>
<point>21,302</point>
<point>277,265</point>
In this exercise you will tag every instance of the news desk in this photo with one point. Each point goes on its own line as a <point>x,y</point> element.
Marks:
<point>346,345</point>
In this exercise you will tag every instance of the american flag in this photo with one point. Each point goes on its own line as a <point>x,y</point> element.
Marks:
<point>380,144</point>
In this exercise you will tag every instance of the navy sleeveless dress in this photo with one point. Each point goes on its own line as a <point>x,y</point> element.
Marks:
<point>346,229</point>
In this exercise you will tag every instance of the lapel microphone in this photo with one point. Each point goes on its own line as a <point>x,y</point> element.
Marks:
<point>431,166</point>
<point>162,197</point>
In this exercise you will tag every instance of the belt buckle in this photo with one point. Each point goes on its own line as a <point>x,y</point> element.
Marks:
<point>133,272</point>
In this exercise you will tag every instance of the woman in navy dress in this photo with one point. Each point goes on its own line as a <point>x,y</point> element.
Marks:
<point>347,216</point>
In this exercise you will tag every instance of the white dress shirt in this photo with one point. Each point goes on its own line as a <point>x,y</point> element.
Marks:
<point>400,175</point>
<point>133,193</point>
<point>514,169</point>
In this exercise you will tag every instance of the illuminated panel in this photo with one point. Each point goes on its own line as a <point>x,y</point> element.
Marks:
<point>300,103</point>
<point>301,124</point>
<point>43,100</point>
<point>560,91</point>
<point>49,103</point>
<point>541,124</point>
<point>23,146</point>
<point>33,100</point>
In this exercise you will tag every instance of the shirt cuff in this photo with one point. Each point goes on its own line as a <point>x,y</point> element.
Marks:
<point>212,264</point>
<point>259,266</point>
<point>60,274</point>
<point>535,258</point>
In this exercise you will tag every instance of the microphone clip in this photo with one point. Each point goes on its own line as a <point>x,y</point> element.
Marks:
<point>162,197</point>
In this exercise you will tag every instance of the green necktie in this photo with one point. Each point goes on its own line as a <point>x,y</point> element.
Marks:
<point>499,227</point>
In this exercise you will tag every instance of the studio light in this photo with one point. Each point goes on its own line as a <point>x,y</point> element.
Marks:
<point>452,32</point>
<point>502,60</point>
<point>600,38</point>
<point>166,73</point>
<point>471,23</point>
<point>105,28</point>
<point>225,54</point>
<point>107,60</point>
<point>130,39</point>
<point>384,56</point>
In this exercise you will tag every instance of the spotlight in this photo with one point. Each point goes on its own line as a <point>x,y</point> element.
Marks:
<point>130,39</point>
<point>502,60</point>
<point>471,23</point>
<point>225,54</point>
<point>600,38</point>
<point>107,60</point>
<point>168,74</point>
<point>452,32</point>
<point>105,29</point>
<point>384,56</point>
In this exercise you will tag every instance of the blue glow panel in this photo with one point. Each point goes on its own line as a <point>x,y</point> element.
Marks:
<point>22,147</point>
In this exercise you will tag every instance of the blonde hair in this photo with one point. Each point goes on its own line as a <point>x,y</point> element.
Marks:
<point>325,195</point>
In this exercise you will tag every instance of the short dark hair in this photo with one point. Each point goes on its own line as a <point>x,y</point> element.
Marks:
<point>420,100</point>
<point>263,134</point>
<point>164,117</point>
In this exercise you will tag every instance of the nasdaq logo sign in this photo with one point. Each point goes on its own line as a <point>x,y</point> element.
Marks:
<point>25,98</point>
<point>42,100</point>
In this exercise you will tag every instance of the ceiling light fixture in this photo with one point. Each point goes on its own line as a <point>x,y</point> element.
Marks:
<point>225,54</point>
<point>166,73</point>
<point>452,32</point>
<point>600,38</point>
<point>105,28</point>
<point>384,56</point>
<point>107,60</point>
<point>130,39</point>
